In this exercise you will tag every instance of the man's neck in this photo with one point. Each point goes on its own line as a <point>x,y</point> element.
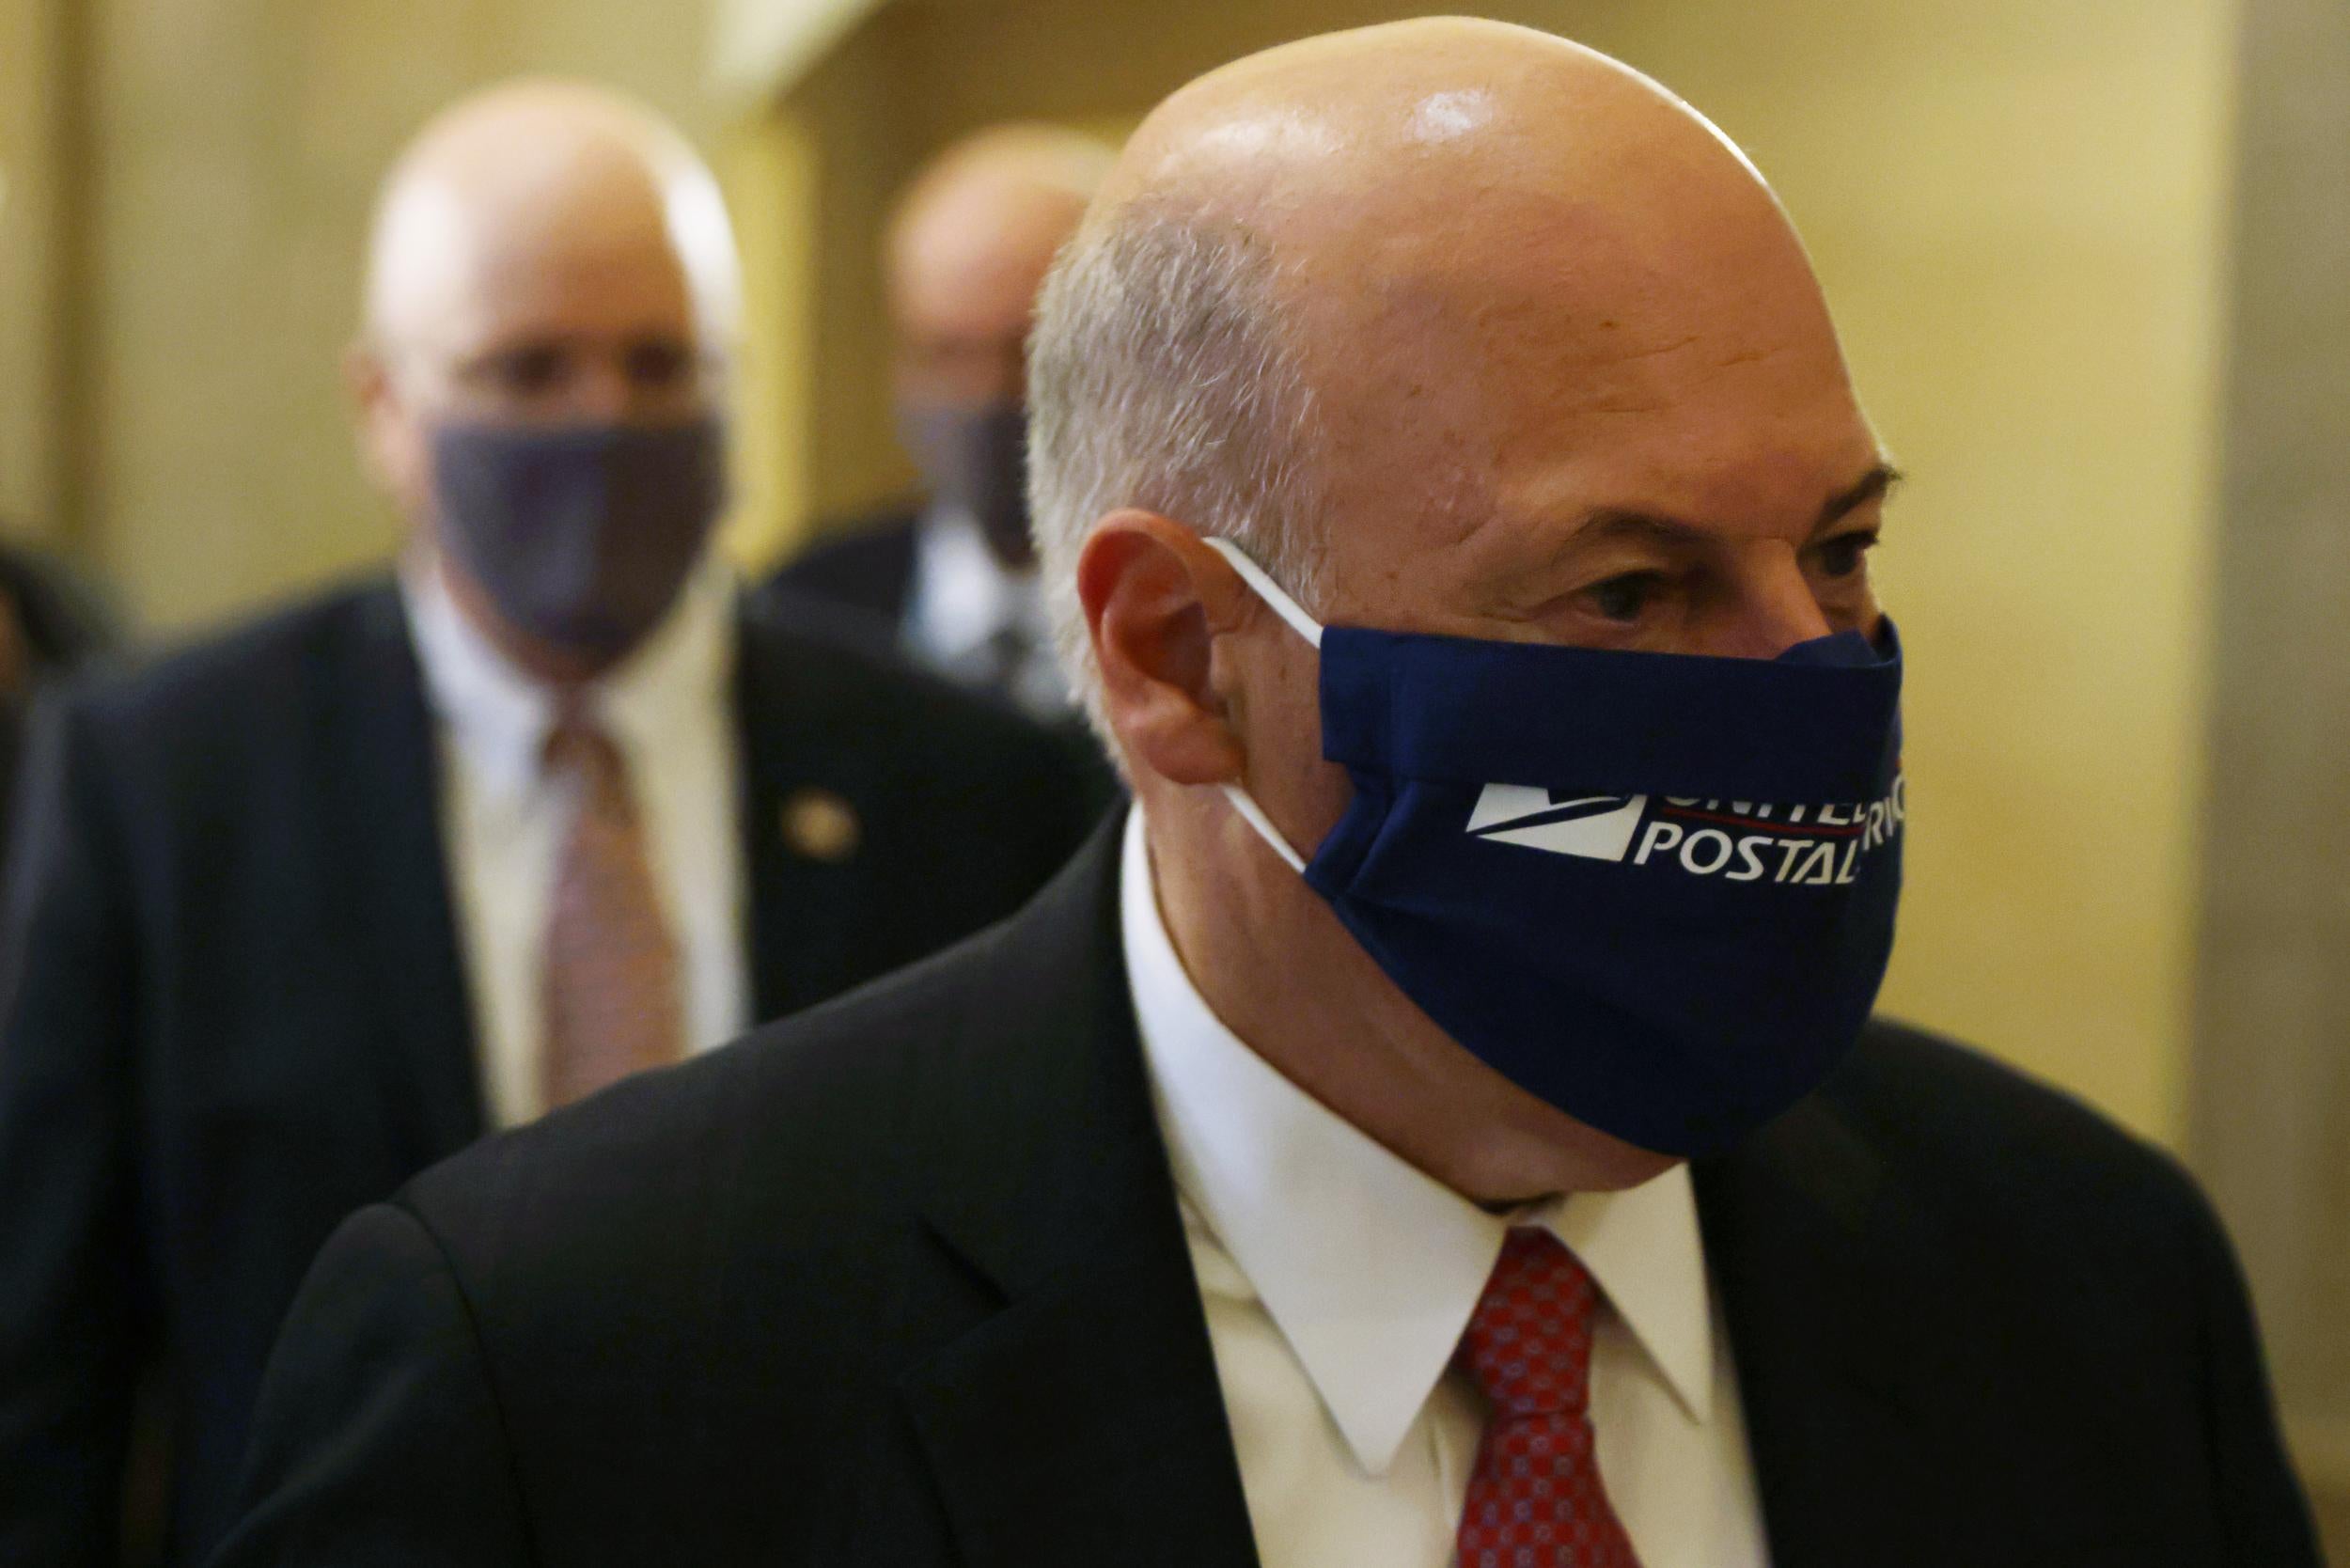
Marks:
<point>1273,962</point>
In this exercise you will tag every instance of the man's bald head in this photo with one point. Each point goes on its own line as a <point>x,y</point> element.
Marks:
<point>1352,130</point>
<point>1430,245</point>
<point>537,175</point>
<point>543,252</point>
<point>552,277</point>
<point>1460,329</point>
<point>966,249</point>
<point>1002,198</point>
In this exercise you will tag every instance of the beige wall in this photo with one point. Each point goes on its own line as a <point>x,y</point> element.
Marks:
<point>2272,1133</point>
<point>31,249</point>
<point>2018,212</point>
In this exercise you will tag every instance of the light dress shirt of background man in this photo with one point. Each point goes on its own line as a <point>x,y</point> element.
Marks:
<point>1423,415</point>
<point>316,901</point>
<point>667,711</point>
<point>952,578</point>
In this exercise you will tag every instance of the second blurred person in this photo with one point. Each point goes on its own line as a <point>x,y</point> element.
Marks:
<point>311,905</point>
<point>952,577</point>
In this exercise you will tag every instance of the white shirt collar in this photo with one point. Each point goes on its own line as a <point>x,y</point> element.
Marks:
<point>1370,1267</point>
<point>501,714</point>
<point>687,663</point>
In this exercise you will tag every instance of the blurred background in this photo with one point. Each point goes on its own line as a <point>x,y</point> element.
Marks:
<point>2092,266</point>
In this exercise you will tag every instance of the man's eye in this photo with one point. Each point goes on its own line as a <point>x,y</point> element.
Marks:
<point>659,366</point>
<point>529,373</point>
<point>1623,598</point>
<point>1846,555</point>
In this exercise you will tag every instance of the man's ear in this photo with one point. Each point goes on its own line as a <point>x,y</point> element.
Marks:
<point>389,446</point>
<point>1155,599</point>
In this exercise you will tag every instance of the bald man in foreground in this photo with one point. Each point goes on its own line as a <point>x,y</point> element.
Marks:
<point>1441,1121</point>
<point>319,902</point>
<point>952,579</point>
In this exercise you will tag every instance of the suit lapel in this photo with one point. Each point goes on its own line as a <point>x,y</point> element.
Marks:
<point>1841,1330</point>
<point>1081,1421</point>
<point>384,762</point>
<point>800,754</point>
<point>1081,1425</point>
<point>893,555</point>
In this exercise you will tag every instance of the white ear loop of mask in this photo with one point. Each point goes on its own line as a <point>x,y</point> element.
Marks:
<point>1267,589</point>
<point>1305,626</point>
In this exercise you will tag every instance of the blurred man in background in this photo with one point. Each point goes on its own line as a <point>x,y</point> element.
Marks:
<point>954,578</point>
<point>312,905</point>
<point>1445,1123</point>
<point>50,621</point>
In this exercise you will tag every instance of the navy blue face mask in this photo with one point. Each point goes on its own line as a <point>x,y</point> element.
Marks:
<point>1653,890</point>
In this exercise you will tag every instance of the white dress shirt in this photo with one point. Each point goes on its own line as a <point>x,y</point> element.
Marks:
<point>1337,1281</point>
<point>964,602</point>
<point>668,708</point>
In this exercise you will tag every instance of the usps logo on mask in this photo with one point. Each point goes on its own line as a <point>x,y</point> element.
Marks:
<point>1592,827</point>
<point>1815,846</point>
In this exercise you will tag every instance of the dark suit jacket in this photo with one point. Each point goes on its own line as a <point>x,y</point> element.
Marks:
<point>853,590</point>
<point>65,622</point>
<point>903,1282</point>
<point>233,1009</point>
<point>866,568</point>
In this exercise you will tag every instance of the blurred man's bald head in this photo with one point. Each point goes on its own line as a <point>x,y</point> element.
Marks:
<point>535,177</point>
<point>543,251</point>
<point>988,213</point>
<point>550,261</point>
<point>967,250</point>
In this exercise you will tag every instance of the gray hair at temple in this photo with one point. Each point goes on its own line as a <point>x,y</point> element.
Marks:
<point>1162,376</point>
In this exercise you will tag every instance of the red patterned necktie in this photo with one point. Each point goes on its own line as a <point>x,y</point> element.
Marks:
<point>1535,1498</point>
<point>612,994</point>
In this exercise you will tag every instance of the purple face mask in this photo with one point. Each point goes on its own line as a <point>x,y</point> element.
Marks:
<point>580,535</point>
<point>976,458</point>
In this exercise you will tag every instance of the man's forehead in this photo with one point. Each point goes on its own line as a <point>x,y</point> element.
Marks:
<point>1471,212</point>
<point>577,273</point>
<point>1500,369</point>
<point>983,234</point>
<point>536,190</point>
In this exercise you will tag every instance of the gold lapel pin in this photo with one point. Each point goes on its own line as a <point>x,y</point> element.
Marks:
<point>820,826</point>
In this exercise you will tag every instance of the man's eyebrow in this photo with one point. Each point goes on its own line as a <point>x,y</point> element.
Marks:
<point>1871,487</point>
<point>1613,522</point>
<point>1618,522</point>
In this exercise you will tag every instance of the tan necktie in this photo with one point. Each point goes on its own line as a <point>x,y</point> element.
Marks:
<point>611,983</point>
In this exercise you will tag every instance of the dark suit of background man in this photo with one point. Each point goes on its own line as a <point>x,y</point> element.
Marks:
<point>1208,1215</point>
<point>50,622</point>
<point>953,580</point>
<point>311,905</point>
